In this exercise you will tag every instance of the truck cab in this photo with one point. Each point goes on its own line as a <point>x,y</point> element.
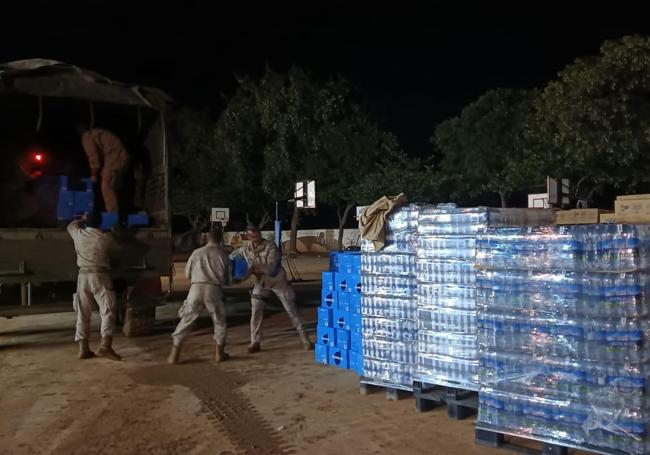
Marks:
<point>41,104</point>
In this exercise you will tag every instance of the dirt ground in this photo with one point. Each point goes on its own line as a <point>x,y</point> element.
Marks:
<point>278,401</point>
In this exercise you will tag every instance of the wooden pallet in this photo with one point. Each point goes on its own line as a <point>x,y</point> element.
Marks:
<point>394,392</point>
<point>461,403</point>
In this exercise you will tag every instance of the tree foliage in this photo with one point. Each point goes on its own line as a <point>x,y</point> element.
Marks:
<point>485,149</point>
<point>285,128</point>
<point>593,122</point>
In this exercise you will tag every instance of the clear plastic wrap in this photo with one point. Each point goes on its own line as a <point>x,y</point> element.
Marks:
<point>568,421</point>
<point>447,370</point>
<point>597,383</point>
<point>447,346</point>
<point>388,304</point>
<point>461,346</point>
<point>396,373</point>
<point>447,271</point>
<point>447,247</point>
<point>400,232</point>
<point>602,247</point>
<point>389,307</point>
<point>447,219</point>
<point>447,320</point>
<point>388,285</point>
<point>436,295</point>
<point>389,329</point>
<point>403,352</point>
<point>563,334</point>
<point>394,264</point>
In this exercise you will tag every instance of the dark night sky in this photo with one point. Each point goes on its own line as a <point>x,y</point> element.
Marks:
<point>413,67</point>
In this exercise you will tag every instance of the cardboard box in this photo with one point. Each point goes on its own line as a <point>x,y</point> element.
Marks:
<point>630,218</point>
<point>578,216</point>
<point>629,197</point>
<point>636,207</point>
<point>608,218</point>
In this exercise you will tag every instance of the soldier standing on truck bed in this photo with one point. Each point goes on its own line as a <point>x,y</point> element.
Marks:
<point>109,160</point>
<point>94,285</point>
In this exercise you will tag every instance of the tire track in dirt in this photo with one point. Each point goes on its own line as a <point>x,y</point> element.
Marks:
<point>229,408</point>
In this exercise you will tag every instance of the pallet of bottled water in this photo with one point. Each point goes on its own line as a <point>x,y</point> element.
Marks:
<point>448,219</point>
<point>380,306</point>
<point>447,371</point>
<point>599,247</point>
<point>446,289</point>
<point>446,271</point>
<point>388,304</point>
<point>446,312</point>
<point>401,230</point>
<point>563,335</point>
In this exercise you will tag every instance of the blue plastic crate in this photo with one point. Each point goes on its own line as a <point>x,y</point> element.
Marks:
<point>65,206</point>
<point>350,263</point>
<point>321,353</point>
<point>325,317</point>
<point>343,339</point>
<point>138,220</point>
<point>347,283</point>
<point>355,323</point>
<point>329,299</point>
<point>239,268</point>
<point>328,281</point>
<point>338,358</point>
<point>341,320</point>
<point>325,335</point>
<point>89,184</point>
<point>109,219</point>
<point>334,261</point>
<point>356,342</point>
<point>83,201</point>
<point>355,286</point>
<point>355,362</point>
<point>343,301</point>
<point>355,303</point>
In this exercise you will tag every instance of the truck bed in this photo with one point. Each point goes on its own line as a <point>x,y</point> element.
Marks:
<point>47,255</point>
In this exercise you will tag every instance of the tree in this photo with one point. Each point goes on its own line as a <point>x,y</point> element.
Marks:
<point>196,169</point>
<point>397,173</point>
<point>239,137</point>
<point>352,148</point>
<point>285,128</point>
<point>593,123</point>
<point>485,149</point>
<point>268,130</point>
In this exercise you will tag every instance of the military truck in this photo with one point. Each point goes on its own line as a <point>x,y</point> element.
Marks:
<point>41,102</point>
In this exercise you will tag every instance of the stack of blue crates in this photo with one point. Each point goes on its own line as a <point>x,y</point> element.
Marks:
<point>338,340</point>
<point>72,203</point>
<point>109,219</point>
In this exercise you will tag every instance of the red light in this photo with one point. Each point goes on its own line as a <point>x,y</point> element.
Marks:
<point>37,156</point>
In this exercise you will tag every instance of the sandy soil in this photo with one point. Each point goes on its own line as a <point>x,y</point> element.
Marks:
<point>276,402</point>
